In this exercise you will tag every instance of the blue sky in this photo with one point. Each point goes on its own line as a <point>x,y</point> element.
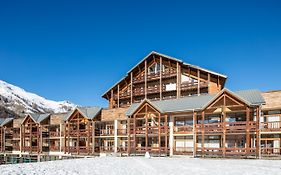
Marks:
<point>76,50</point>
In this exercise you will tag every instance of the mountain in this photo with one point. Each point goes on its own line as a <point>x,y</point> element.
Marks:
<point>15,102</point>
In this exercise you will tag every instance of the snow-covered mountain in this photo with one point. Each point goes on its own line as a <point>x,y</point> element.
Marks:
<point>15,99</point>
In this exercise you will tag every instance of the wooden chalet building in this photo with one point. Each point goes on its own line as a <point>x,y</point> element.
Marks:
<point>163,106</point>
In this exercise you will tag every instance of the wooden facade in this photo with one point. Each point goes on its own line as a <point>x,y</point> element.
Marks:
<point>160,77</point>
<point>151,110</point>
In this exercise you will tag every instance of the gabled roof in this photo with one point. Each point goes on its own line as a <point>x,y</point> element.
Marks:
<point>198,103</point>
<point>87,112</point>
<point>5,121</point>
<point>38,118</point>
<point>165,56</point>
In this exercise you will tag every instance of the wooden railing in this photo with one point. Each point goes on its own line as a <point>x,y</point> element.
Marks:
<point>211,127</point>
<point>106,148</point>
<point>105,132</point>
<point>149,149</point>
<point>183,150</point>
<point>193,85</point>
<point>54,148</point>
<point>271,151</point>
<point>154,76</point>
<point>271,126</point>
<point>228,151</point>
<point>183,129</point>
<point>54,134</point>
<point>121,132</point>
<point>30,148</point>
<point>240,126</point>
<point>150,130</point>
<point>228,126</point>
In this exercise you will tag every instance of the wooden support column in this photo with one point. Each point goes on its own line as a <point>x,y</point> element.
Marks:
<point>93,136</point>
<point>4,139</point>
<point>198,79</point>
<point>166,134</point>
<point>88,136</point>
<point>145,79</point>
<point>178,80</point>
<point>194,134</point>
<point>78,134</point>
<point>160,81</point>
<point>64,137</point>
<point>171,136</point>
<point>209,80</point>
<point>132,87</point>
<point>203,135</point>
<point>68,136</point>
<point>30,138</point>
<point>258,135</point>
<point>224,127</point>
<point>146,128</point>
<point>159,133</point>
<point>247,131</point>
<point>135,144</point>
<point>115,136</point>
<point>118,96</point>
<point>129,136</point>
<point>111,99</point>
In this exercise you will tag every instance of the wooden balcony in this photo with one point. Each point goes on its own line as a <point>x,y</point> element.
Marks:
<point>271,126</point>
<point>16,147</point>
<point>240,126</point>
<point>54,134</point>
<point>30,148</point>
<point>183,129</point>
<point>269,151</point>
<point>192,85</point>
<point>155,76</point>
<point>183,150</point>
<point>229,127</point>
<point>104,132</point>
<point>121,132</point>
<point>150,130</point>
<point>54,148</point>
<point>149,149</point>
<point>228,151</point>
<point>106,148</point>
<point>210,128</point>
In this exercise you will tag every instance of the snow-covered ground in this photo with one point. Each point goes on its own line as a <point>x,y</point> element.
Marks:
<point>141,165</point>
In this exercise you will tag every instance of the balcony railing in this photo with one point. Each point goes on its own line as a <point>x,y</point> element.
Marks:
<point>55,148</point>
<point>268,151</point>
<point>150,130</point>
<point>121,132</point>
<point>183,129</point>
<point>155,76</point>
<point>228,126</point>
<point>54,134</point>
<point>104,132</point>
<point>240,126</point>
<point>271,126</point>
<point>183,150</point>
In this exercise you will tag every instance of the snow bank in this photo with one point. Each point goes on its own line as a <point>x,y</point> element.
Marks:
<point>143,166</point>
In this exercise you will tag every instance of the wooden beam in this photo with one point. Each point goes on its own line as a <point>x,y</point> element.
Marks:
<point>118,96</point>
<point>247,131</point>
<point>203,134</point>
<point>145,79</point>
<point>194,134</point>
<point>198,79</point>
<point>132,87</point>
<point>160,81</point>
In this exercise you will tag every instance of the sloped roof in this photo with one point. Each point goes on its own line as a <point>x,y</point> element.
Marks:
<point>88,112</point>
<point>198,103</point>
<point>38,118</point>
<point>165,56</point>
<point>4,121</point>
